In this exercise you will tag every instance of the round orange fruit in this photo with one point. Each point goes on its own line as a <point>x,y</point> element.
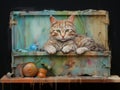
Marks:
<point>41,75</point>
<point>42,70</point>
<point>30,70</point>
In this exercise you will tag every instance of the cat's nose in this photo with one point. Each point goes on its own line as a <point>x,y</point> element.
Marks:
<point>63,36</point>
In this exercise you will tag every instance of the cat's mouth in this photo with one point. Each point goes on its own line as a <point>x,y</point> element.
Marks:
<point>63,40</point>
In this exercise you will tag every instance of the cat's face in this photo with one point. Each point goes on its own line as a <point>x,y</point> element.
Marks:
<point>62,30</point>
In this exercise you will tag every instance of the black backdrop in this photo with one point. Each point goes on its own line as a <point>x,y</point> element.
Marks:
<point>110,5</point>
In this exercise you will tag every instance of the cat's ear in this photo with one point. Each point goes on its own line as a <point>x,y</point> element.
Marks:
<point>52,19</point>
<point>71,18</point>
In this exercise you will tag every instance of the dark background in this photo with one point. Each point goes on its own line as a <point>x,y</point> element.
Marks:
<point>112,6</point>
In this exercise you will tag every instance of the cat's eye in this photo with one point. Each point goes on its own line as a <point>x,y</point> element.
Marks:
<point>58,30</point>
<point>66,30</point>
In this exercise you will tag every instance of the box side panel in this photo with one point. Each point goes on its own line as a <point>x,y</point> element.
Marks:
<point>69,65</point>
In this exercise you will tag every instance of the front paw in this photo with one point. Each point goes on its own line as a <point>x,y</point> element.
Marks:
<point>66,49</point>
<point>81,50</point>
<point>50,49</point>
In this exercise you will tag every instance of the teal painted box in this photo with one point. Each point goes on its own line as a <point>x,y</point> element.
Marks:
<point>32,27</point>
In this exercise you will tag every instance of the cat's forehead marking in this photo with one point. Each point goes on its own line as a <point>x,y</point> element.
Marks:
<point>64,28</point>
<point>62,24</point>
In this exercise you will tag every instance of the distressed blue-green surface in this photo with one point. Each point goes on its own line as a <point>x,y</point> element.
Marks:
<point>33,27</point>
<point>69,64</point>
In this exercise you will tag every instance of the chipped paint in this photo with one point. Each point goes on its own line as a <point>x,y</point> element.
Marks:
<point>33,27</point>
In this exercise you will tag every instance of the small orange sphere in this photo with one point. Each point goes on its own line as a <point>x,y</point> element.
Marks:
<point>42,70</point>
<point>30,70</point>
<point>41,75</point>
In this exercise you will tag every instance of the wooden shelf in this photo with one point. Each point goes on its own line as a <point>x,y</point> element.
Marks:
<point>60,79</point>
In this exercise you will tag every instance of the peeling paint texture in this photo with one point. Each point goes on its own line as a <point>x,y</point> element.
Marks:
<point>32,27</point>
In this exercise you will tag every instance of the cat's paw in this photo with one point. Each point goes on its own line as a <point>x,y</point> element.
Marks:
<point>50,49</point>
<point>66,49</point>
<point>81,50</point>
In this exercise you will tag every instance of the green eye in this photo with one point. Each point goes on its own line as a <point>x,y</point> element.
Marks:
<point>66,30</point>
<point>58,30</point>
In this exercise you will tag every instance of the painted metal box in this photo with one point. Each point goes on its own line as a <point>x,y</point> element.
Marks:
<point>31,28</point>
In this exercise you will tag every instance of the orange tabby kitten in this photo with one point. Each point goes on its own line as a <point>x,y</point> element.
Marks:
<point>63,37</point>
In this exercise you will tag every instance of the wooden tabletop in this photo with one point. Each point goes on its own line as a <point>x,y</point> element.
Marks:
<point>61,79</point>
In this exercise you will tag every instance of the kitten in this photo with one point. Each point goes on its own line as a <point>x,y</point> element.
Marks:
<point>63,37</point>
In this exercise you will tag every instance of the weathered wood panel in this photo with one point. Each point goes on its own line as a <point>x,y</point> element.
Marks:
<point>64,79</point>
<point>90,63</point>
<point>33,27</point>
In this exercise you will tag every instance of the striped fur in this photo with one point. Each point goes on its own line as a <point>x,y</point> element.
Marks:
<point>63,37</point>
